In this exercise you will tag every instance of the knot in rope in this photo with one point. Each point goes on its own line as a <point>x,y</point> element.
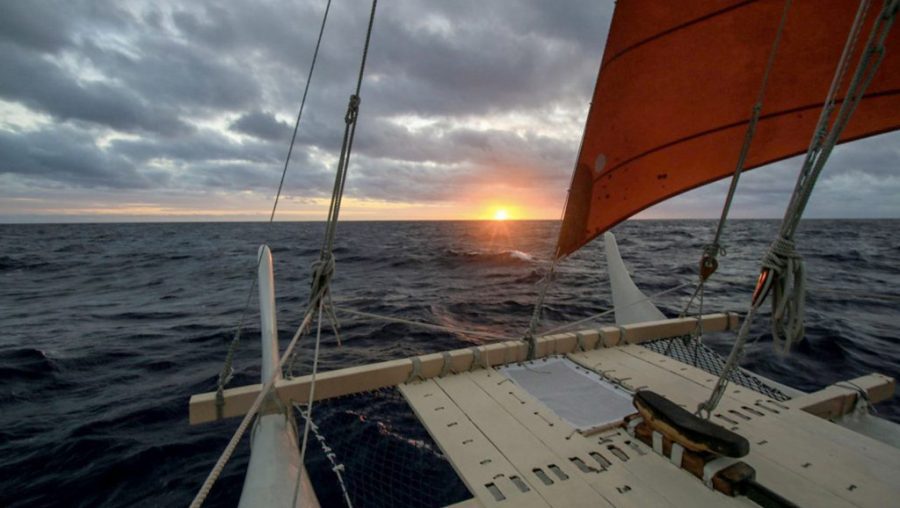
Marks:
<point>323,272</point>
<point>352,109</point>
<point>781,253</point>
<point>788,286</point>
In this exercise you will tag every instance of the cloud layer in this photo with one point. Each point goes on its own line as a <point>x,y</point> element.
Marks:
<point>131,109</point>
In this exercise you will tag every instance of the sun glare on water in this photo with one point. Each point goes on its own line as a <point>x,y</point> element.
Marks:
<point>501,214</point>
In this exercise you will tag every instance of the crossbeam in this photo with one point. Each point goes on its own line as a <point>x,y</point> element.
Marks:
<point>841,398</point>
<point>364,378</point>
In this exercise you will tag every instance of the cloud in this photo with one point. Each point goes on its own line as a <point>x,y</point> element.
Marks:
<point>463,102</point>
<point>262,125</point>
<point>68,157</point>
<point>44,86</point>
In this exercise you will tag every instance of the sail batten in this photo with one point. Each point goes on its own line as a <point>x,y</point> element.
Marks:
<point>676,90</point>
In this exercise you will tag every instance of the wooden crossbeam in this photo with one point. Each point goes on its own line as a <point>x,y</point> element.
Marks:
<point>841,398</point>
<point>391,373</point>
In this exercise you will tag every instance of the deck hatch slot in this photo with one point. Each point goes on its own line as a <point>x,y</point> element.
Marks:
<point>542,476</point>
<point>558,472</point>
<point>495,491</point>
<point>520,483</point>
<point>582,466</point>
<point>603,461</point>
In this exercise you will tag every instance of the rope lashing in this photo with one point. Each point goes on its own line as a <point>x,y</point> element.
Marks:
<point>322,273</point>
<point>352,109</point>
<point>786,279</point>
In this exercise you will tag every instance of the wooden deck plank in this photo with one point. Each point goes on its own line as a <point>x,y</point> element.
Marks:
<point>477,462</point>
<point>788,447</point>
<point>623,366</point>
<point>865,460</point>
<point>670,485</point>
<point>520,447</point>
<point>614,482</point>
<point>789,440</point>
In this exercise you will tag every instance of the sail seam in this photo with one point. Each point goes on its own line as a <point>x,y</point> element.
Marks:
<point>673,30</point>
<point>874,95</point>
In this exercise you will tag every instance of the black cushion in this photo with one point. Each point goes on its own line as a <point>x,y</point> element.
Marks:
<point>695,430</point>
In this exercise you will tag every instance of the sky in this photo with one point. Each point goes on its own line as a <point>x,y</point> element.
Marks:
<point>155,111</point>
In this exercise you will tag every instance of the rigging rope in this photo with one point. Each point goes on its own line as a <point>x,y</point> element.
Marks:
<point>245,422</point>
<point>530,337</point>
<point>431,326</point>
<point>320,286</point>
<point>227,369</point>
<point>530,334</point>
<point>329,454</point>
<point>323,269</point>
<point>491,336</point>
<point>310,399</point>
<point>709,260</point>
<point>320,294</point>
<point>783,271</point>
<point>569,326</point>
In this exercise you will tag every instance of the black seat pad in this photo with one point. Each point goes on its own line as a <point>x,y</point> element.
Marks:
<point>697,431</point>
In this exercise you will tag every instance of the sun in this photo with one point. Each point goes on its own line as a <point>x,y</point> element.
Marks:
<point>501,214</point>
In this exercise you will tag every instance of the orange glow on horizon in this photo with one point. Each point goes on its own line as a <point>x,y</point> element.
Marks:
<point>501,214</point>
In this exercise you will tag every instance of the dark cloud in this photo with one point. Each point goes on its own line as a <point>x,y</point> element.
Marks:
<point>33,25</point>
<point>45,86</point>
<point>459,97</point>
<point>69,156</point>
<point>262,125</point>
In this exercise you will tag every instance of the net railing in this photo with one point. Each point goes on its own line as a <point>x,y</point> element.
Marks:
<point>384,455</point>
<point>697,354</point>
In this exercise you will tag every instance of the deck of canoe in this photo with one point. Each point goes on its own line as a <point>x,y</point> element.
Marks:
<point>511,450</point>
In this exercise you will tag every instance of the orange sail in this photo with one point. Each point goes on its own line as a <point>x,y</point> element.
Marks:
<point>676,90</point>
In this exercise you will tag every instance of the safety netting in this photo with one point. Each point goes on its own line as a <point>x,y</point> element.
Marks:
<point>372,446</point>
<point>692,352</point>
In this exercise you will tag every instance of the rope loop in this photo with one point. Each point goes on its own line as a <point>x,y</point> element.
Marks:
<point>780,254</point>
<point>788,288</point>
<point>323,272</point>
<point>352,109</point>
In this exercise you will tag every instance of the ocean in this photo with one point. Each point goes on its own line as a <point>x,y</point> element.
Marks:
<point>107,329</point>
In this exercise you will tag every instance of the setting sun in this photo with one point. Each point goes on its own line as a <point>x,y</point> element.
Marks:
<point>501,214</point>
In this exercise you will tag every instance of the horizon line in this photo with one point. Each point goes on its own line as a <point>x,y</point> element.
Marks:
<point>642,219</point>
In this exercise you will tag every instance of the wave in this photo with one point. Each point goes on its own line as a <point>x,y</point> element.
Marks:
<point>9,263</point>
<point>100,353</point>
<point>511,256</point>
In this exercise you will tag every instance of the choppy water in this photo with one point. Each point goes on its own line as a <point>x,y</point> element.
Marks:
<point>107,329</point>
